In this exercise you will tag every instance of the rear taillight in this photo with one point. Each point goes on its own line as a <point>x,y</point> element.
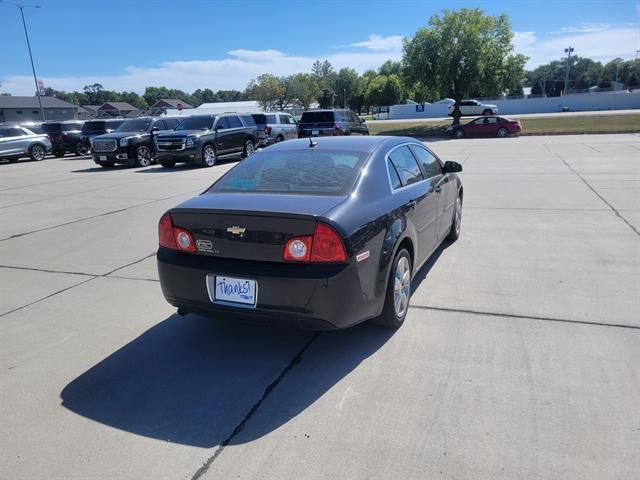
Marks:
<point>337,130</point>
<point>324,246</point>
<point>267,130</point>
<point>175,238</point>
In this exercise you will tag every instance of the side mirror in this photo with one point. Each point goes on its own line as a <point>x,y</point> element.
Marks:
<point>219,127</point>
<point>452,167</point>
<point>155,129</point>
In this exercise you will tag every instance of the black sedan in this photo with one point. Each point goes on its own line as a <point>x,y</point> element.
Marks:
<point>320,234</point>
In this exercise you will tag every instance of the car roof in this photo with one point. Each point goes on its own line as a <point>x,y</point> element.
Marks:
<point>364,143</point>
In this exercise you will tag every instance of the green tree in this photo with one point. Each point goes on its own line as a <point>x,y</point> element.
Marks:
<point>348,86</point>
<point>304,88</point>
<point>325,76</point>
<point>384,90</point>
<point>266,89</point>
<point>462,52</point>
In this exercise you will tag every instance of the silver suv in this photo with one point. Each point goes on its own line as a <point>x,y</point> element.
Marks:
<point>19,142</point>
<point>275,127</point>
<point>474,108</point>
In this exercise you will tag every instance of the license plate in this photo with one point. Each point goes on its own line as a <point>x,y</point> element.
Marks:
<point>103,158</point>
<point>315,132</point>
<point>232,290</point>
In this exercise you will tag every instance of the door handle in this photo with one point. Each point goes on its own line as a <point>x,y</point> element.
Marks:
<point>438,189</point>
<point>411,204</point>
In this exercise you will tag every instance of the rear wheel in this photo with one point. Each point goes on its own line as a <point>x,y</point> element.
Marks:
<point>58,153</point>
<point>487,111</point>
<point>144,157</point>
<point>36,152</point>
<point>456,222</point>
<point>396,302</point>
<point>249,149</point>
<point>209,157</point>
<point>279,139</point>
<point>458,133</point>
<point>503,132</point>
<point>168,164</point>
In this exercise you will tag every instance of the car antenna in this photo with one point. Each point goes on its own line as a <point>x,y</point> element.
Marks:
<point>312,143</point>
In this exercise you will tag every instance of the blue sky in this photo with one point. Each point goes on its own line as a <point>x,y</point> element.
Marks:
<point>189,44</point>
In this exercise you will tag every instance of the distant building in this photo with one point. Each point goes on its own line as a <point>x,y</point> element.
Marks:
<point>117,109</point>
<point>218,107</point>
<point>162,105</point>
<point>92,109</point>
<point>15,109</point>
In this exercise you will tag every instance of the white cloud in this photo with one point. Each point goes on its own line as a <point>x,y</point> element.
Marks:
<point>603,45</point>
<point>231,72</point>
<point>584,27</point>
<point>376,42</point>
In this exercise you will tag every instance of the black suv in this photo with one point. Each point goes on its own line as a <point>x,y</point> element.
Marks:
<point>65,136</point>
<point>131,143</point>
<point>321,123</point>
<point>93,128</point>
<point>202,139</point>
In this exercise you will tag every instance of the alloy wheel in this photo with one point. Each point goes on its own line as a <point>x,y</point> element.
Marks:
<point>37,152</point>
<point>457,218</point>
<point>144,156</point>
<point>249,149</point>
<point>402,287</point>
<point>209,155</point>
<point>502,132</point>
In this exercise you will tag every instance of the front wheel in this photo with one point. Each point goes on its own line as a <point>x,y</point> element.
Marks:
<point>37,153</point>
<point>456,222</point>
<point>249,149</point>
<point>458,133</point>
<point>144,157</point>
<point>209,157</point>
<point>396,302</point>
<point>81,150</point>
<point>58,153</point>
<point>503,132</point>
<point>487,112</point>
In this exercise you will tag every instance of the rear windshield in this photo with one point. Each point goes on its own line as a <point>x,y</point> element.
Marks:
<point>137,125</point>
<point>94,125</point>
<point>196,123</point>
<point>312,172</point>
<point>60,127</point>
<point>317,117</point>
<point>260,118</point>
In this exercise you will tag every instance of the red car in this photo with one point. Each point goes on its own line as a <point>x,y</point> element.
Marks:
<point>488,126</point>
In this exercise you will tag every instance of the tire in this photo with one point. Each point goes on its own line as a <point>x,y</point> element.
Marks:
<point>144,156</point>
<point>396,302</point>
<point>249,149</point>
<point>81,150</point>
<point>456,221</point>
<point>279,139</point>
<point>487,111</point>
<point>36,152</point>
<point>503,132</point>
<point>458,133</point>
<point>209,157</point>
<point>107,164</point>
<point>168,164</point>
<point>58,153</point>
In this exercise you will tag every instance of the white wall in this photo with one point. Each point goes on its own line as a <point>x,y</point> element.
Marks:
<point>575,103</point>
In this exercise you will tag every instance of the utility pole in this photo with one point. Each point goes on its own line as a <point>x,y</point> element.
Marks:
<point>568,51</point>
<point>33,68</point>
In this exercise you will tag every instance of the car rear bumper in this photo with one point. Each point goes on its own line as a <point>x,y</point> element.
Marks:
<point>305,296</point>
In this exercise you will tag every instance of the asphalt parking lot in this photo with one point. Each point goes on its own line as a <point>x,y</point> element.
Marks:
<point>520,356</point>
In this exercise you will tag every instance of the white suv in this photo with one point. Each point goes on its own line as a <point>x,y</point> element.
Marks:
<point>17,142</point>
<point>474,108</point>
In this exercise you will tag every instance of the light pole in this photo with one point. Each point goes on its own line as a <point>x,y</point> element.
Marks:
<point>568,51</point>
<point>33,68</point>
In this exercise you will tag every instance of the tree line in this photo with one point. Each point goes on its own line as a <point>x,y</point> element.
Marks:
<point>459,54</point>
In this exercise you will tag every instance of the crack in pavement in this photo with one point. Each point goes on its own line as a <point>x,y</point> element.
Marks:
<point>613,209</point>
<point>267,391</point>
<point>524,317</point>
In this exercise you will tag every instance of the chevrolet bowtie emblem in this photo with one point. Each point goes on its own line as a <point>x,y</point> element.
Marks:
<point>235,230</point>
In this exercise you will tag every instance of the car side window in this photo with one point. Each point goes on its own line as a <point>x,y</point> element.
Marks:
<point>160,124</point>
<point>222,123</point>
<point>393,176</point>
<point>171,123</point>
<point>14,132</point>
<point>406,165</point>
<point>234,122</point>
<point>287,120</point>
<point>429,162</point>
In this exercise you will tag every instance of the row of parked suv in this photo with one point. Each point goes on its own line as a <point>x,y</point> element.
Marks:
<point>197,139</point>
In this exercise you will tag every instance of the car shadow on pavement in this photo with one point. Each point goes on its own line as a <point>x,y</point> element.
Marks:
<point>428,265</point>
<point>193,381</point>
